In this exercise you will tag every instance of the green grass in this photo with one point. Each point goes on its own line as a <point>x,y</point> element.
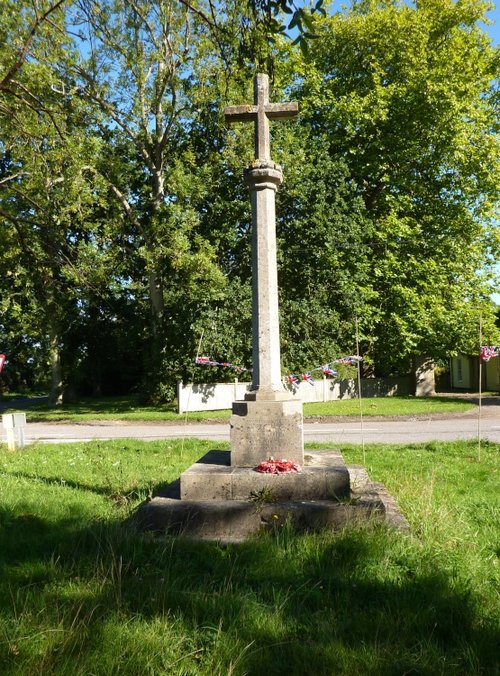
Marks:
<point>389,406</point>
<point>115,408</point>
<point>82,593</point>
<point>128,408</point>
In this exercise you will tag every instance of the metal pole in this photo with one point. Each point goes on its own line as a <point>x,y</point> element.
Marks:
<point>480,389</point>
<point>359,394</point>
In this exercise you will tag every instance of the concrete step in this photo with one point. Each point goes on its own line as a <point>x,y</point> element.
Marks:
<point>235,520</point>
<point>324,476</point>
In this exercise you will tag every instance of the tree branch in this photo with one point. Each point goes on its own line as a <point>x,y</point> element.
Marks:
<point>198,12</point>
<point>27,43</point>
<point>17,219</point>
<point>126,205</point>
<point>13,177</point>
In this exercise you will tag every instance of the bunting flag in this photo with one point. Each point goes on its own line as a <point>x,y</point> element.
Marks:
<point>207,361</point>
<point>489,351</point>
<point>292,379</point>
<point>326,370</point>
<point>351,359</point>
<point>2,360</point>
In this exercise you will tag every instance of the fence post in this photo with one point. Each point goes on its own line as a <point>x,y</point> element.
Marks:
<point>14,424</point>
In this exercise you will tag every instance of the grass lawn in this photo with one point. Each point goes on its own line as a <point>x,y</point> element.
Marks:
<point>128,408</point>
<point>82,593</point>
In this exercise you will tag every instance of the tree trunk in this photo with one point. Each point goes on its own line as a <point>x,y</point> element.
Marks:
<point>423,372</point>
<point>156,296</point>
<point>56,385</point>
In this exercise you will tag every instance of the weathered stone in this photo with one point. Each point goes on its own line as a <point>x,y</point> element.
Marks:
<point>262,429</point>
<point>223,520</point>
<point>234,520</point>
<point>260,113</point>
<point>266,377</point>
<point>208,480</point>
<point>259,431</point>
<point>226,499</point>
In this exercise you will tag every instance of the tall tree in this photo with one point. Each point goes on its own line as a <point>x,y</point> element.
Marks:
<point>46,149</point>
<point>408,97</point>
<point>138,67</point>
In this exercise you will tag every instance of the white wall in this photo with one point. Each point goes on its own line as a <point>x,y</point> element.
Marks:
<point>461,372</point>
<point>493,374</point>
<point>220,396</point>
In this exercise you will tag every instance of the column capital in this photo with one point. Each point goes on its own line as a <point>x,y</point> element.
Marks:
<point>263,174</point>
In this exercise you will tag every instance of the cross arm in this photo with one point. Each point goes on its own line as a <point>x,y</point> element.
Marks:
<point>276,111</point>
<point>243,113</point>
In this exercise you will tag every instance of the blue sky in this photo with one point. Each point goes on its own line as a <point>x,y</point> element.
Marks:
<point>494,30</point>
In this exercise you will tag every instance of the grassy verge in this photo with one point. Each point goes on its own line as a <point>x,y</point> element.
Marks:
<point>82,593</point>
<point>388,406</point>
<point>128,408</point>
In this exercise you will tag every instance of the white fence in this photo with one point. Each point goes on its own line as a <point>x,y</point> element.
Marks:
<point>218,396</point>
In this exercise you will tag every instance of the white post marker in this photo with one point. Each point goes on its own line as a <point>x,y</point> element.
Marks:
<point>15,426</point>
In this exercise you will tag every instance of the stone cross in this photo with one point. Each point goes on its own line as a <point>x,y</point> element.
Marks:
<point>260,113</point>
<point>263,177</point>
<point>268,422</point>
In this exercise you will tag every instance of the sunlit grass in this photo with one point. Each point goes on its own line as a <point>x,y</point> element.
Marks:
<point>388,406</point>
<point>82,592</point>
<point>129,409</point>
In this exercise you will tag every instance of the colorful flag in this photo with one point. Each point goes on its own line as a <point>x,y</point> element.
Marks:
<point>203,361</point>
<point>206,361</point>
<point>351,359</point>
<point>308,378</point>
<point>489,351</point>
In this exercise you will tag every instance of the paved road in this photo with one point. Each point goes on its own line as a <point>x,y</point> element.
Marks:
<point>372,431</point>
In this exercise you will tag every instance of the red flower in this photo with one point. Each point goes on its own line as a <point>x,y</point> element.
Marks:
<point>272,466</point>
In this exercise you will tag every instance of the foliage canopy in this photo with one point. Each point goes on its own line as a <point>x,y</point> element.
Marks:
<point>125,222</point>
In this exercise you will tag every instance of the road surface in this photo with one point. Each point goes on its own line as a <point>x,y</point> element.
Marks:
<point>352,431</point>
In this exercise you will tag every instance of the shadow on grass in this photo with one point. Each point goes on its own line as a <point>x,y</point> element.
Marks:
<point>130,495</point>
<point>357,603</point>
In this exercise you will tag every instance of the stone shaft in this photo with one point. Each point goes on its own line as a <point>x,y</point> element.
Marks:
<point>263,179</point>
<point>267,423</point>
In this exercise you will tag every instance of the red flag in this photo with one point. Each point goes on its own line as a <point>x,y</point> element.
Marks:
<point>2,359</point>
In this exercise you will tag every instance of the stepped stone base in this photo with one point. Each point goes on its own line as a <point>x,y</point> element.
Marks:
<point>214,501</point>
